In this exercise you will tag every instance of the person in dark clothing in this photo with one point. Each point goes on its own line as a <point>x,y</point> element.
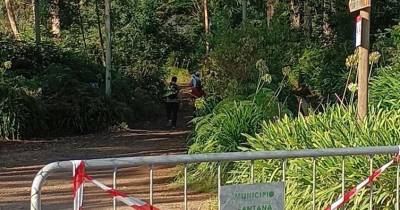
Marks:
<point>172,102</point>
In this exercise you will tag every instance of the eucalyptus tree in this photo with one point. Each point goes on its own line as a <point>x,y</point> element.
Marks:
<point>12,19</point>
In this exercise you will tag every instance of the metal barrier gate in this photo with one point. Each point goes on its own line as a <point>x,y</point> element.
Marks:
<point>116,163</point>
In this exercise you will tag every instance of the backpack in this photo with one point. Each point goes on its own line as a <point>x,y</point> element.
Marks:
<point>172,91</point>
<point>196,82</point>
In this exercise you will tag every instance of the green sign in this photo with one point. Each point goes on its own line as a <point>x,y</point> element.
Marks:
<point>253,197</point>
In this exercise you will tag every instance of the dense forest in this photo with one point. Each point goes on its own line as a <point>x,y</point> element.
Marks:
<point>297,50</point>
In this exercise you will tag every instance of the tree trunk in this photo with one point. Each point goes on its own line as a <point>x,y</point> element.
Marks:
<point>307,19</point>
<point>107,13</point>
<point>55,19</point>
<point>327,30</point>
<point>82,26</point>
<point>206,24</point>
<point>244,11</point>
<point>296,17</point>
<point>11,18</point>
<point>103,57</point>
<point>36,13</point>
<point>270,11</point>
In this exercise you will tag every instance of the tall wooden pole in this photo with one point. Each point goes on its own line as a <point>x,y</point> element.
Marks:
<point>206,24</point>
<point>363,65</point>
<point>108,46</point>
<point>206,32</point>
<point>36,13</point>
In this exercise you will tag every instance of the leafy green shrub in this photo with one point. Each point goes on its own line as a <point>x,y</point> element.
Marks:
<point>206,105</point>
<point>335,128</point>
<point>223,130</point>
<point>21,111</point>
<point>310,70</point>
<point>49,91</point>
<point>385,88</point>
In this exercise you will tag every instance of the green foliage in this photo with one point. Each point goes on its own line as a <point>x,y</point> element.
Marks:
<point>183,75</point>
<point>336,128</point>
<point>223,130</point>
<point>49,91</point>
<point>385,86</point>
<point>206,105</point>
<point>21,111</point>
<point>320,70</point>
<point>299,67</point>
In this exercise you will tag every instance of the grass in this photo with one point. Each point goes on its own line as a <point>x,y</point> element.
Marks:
<point>183,75</point>
<point>336,128</point>
<point>385,88</point>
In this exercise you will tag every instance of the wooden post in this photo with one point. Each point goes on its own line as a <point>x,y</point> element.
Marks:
<point>36,13</point>
<point>108,46</point>
<point>363,65</point>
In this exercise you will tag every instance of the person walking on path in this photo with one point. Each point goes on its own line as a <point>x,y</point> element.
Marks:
<point>197,87</point>
<point>172,102</point>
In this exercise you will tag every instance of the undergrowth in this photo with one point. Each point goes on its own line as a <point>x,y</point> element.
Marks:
<point>336,128</point>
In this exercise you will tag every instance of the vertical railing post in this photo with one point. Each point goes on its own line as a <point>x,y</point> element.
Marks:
<point>151,185</point>
<point>314,183</point>
<point>343,177</point>
<point>185,188</point>
<point>371,189</point>
<point>284,164</point>
<point>115,187</point>
<point>219,186</point>
<point>398,187</point>
<point>252,172</point>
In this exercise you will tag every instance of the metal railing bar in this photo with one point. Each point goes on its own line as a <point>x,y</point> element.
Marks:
<point>110,163</point>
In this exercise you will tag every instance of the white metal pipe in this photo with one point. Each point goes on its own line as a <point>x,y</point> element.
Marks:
<point>111,163</point>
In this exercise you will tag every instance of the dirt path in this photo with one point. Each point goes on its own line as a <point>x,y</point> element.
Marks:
<point>20,160</point>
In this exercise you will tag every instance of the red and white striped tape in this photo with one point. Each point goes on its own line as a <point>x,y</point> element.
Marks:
<point>80,176</point>
<point>350,194</point>
<point>130,201</point>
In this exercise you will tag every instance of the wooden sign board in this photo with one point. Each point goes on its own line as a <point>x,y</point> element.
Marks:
<point>269,196</point>
<point>356,5</point>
